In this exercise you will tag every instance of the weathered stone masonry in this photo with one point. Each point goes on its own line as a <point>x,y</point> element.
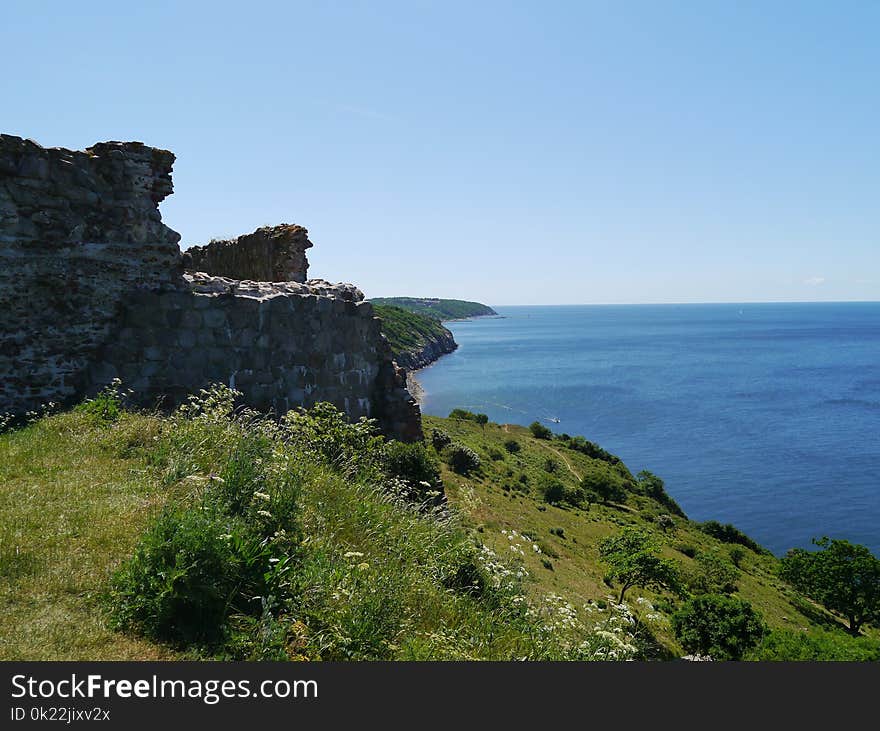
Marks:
<point>92,287</point>
<point>269,254</point>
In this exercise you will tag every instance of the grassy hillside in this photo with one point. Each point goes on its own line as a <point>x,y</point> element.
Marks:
<point>214,532</point>
<point>439,309</point>
<point>505,495</point>
<point>409,332</point>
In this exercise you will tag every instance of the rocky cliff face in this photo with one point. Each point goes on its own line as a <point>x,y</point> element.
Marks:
<point>436,347</point>
<point>269,254</point>
<point>92,287</point>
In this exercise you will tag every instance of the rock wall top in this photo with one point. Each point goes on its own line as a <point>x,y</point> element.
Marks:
<point>79,232</point>
<point>269,254</point>
<point>202,283</point>
<point>108,193</point>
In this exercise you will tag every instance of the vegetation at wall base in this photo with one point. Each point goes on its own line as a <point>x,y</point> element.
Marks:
<point>214,532</point>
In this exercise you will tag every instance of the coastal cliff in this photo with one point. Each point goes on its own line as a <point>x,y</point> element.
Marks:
<point>434,349</point>
<point>416,340</point>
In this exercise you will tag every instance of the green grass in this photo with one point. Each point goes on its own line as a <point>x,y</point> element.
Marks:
<point>110,521</point>
<point>438,309</point>
<point>496,500</point>
<point>73,500</point>
<point>372,575</point>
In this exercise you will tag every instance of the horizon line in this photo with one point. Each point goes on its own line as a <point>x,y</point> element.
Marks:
<point>716,302</point>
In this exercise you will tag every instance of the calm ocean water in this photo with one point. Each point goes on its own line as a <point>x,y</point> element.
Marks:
<point>763,415</point>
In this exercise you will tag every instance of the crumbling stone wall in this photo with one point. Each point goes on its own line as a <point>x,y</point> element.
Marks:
<point>80,232</point>
<point>283,345</point>
<point>269,254</point>
<point>92,288</point>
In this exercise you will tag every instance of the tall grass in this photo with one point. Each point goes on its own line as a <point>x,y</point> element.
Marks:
<point>368,573</point>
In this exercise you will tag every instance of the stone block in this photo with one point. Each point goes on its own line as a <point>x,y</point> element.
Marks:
<point>214,317</point>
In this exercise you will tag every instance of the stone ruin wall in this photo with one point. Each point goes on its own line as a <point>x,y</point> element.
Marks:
<point>269,254</point>
<point>92,287</point>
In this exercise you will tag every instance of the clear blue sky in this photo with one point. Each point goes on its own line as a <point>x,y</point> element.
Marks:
<point>510,152</point>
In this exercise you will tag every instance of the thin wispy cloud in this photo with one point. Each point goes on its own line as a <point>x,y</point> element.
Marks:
<point>814,281</point>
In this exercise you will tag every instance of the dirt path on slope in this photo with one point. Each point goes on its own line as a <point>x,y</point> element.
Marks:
<point>562,457</point>
<point>552,449</point>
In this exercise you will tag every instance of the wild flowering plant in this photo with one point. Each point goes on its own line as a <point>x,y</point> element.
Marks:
<point>519,543</point>
<point>589,634</point>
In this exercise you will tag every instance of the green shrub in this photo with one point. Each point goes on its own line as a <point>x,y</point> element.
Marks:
<point>188,575</point>
<point>664,604</point>
<point>737,555</point>
<point>724,628</point>
<point>496,455</point>
<point>461,459</point>
<point>713,574</point>
<point>728,533</point>
<point>512,446</point>
<point>326,433</point>
<point>604,484</point>
<point>539,431</point>
<point>551,466</point>
<point>413,464</point>
<point>553,491</point>
<point>465,415</point>
<point>686,549</point>
<point>655,488</point>
<point>440,439</point>
<point>592,450</point>
<point>243,473</point>
<point>816,645</point>
<point>465,574</point>
<point>107,406</point>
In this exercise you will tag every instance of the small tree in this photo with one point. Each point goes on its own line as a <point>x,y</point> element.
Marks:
<point>714,574</point>
<point>633,558</point>
<point>843,576</point>
<point>539,431</point>
<point>605,486</point>
<point>719,626</point>
<point>654,487</point>
<point>512,446</point>
<point>481,419</point>
<point>553,491</point>
<point>462,414</point>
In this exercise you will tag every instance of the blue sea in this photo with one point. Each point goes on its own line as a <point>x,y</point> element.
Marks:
<point>766,416</point>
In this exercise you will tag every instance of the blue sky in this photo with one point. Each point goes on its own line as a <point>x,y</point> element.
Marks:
<point>514,153</point>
